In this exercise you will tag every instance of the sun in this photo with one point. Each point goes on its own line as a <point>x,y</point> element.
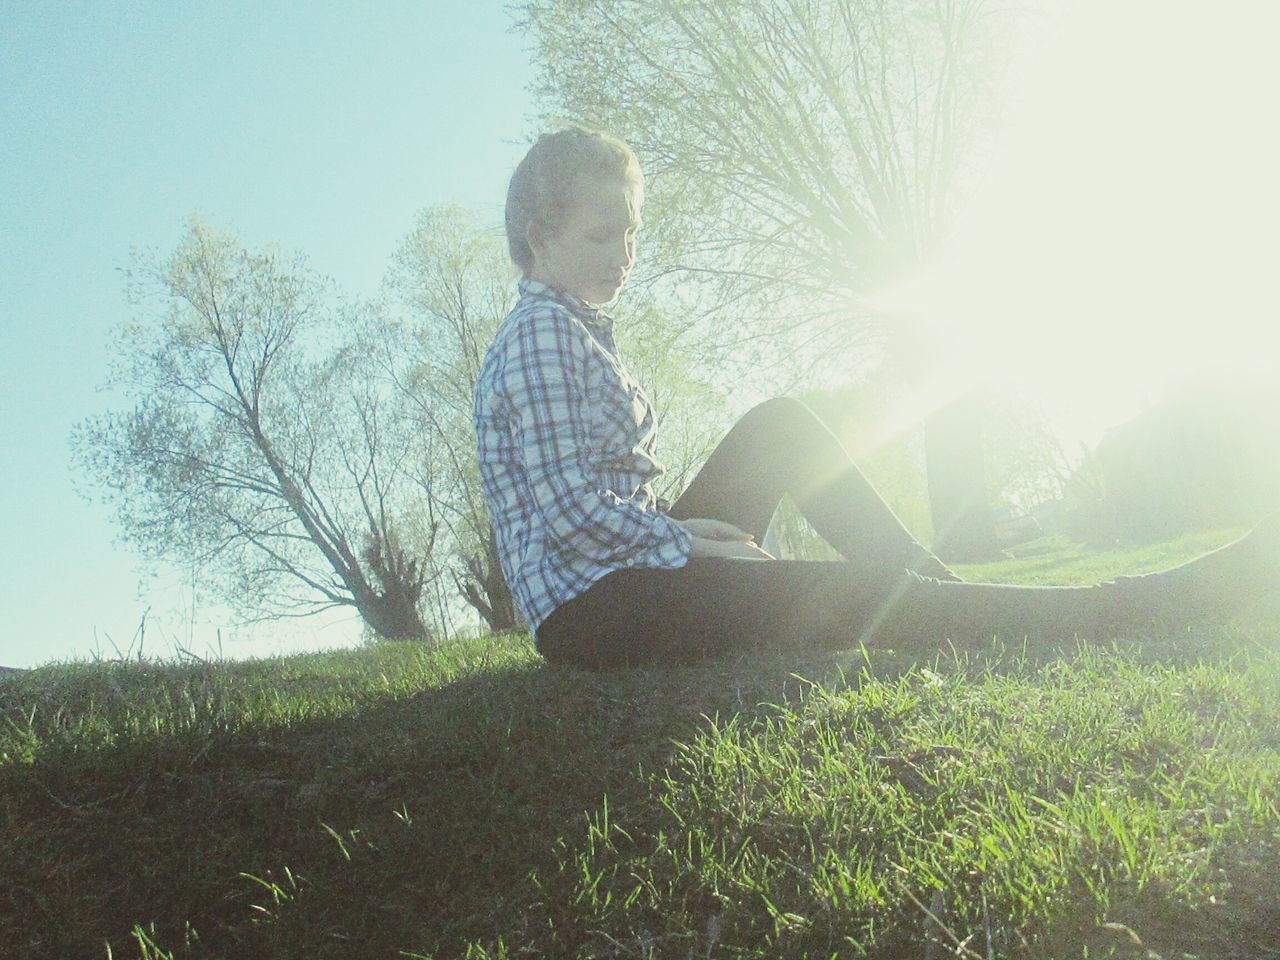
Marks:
<point>1128,231</point>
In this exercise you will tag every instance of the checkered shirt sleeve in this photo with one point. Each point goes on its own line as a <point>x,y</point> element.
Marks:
<point>565,438</point>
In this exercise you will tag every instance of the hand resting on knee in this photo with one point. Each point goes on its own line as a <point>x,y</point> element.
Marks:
<point>715,538</point>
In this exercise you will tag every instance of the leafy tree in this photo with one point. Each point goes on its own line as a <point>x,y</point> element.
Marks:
<point>454,278</point>
<point>261,448</point>
<point>804,154</point>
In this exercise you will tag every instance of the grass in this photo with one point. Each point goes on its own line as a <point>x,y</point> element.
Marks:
<point>1078,800</point>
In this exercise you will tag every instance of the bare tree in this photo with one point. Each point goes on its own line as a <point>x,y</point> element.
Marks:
<point>454,278</point>
<point>259,449</point>
<point>804,154</point>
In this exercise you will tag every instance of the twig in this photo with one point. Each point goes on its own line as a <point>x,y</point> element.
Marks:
<point>986,926</point>
<point>939,899</point>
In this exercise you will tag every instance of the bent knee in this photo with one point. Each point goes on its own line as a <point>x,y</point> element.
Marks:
<point>786,415</point>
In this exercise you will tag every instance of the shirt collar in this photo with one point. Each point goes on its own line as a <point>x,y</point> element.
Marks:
<point>592,316</point>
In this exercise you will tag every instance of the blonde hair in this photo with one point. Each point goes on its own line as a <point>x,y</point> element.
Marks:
<point>545,182</point>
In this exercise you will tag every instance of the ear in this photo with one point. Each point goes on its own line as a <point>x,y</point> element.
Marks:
<point>535,235</point>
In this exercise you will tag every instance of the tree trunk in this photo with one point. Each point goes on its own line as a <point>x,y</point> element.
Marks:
<point>393,616</point>
<point>496,589</point>
<point>954,455</point>
<point>393,613</point>
<point>964,529</point>
<point>487,591</point>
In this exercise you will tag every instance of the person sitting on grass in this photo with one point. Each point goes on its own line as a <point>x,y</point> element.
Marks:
<point>605,576</point>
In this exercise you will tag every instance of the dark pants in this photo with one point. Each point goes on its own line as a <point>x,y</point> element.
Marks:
<point>888,590</point>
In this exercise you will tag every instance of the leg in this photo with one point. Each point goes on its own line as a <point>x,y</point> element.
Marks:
<point>1241,578</point>
<point>707,608</point>
<point>714,606</point>
<point>781,447</point>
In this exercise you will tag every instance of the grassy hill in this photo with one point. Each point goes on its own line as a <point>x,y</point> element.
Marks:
<point>1078,800</point>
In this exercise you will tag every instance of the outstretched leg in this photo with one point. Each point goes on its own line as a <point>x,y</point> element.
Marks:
<point>781,447</point>
<point>714,606</point>
<point>1241,578</point>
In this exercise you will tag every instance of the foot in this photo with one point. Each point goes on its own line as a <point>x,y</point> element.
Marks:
<point>1242,576</point>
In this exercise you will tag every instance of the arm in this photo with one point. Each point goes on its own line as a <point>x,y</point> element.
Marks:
<point>715,538</point>
<point>547,381</point>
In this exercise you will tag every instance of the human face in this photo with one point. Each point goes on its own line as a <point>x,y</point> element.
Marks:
<point>593,249</point>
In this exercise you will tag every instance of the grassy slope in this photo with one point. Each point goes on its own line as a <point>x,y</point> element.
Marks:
<point>393,801</point>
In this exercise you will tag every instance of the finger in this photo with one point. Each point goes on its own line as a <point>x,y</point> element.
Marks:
<point>727,531</point>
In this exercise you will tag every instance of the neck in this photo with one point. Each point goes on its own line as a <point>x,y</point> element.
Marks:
<point>546,281</point>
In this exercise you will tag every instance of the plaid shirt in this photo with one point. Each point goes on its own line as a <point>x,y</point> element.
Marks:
<point>566,440</point>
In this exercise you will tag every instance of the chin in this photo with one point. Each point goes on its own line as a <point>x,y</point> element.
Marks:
<point>605,293</point>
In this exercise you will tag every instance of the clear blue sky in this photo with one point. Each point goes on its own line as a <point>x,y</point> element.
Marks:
<point>322,126</point>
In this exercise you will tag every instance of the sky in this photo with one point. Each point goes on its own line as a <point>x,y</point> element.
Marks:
<point>1124,236</point>
<point>1126,230</point>
<point>321,126</point>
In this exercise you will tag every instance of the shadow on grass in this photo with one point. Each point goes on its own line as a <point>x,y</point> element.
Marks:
<point>411,817</point>
<point>412,814</point>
